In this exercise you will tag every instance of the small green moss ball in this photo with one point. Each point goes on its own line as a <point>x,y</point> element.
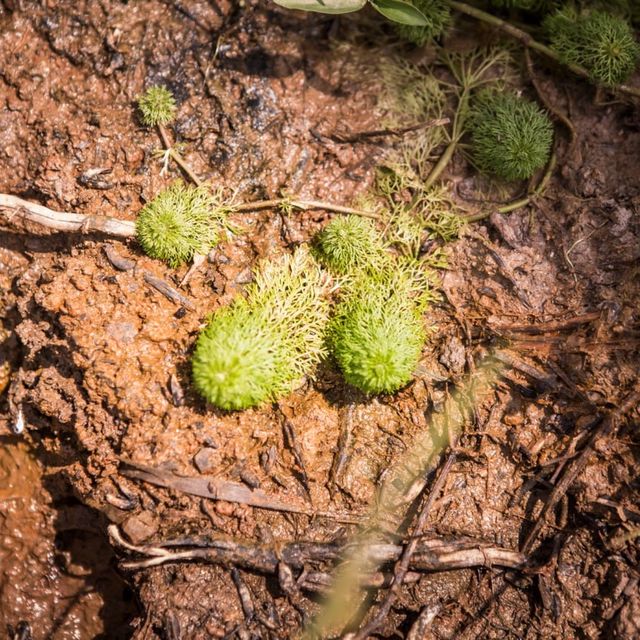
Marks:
<point>377,335</point>
<point>511,137</point>
<point>179,222</point>
<point>239,361</point>
<point>349,243</point>
<point>602,43</point>
<point>437,13</point>
<point>157,106</point>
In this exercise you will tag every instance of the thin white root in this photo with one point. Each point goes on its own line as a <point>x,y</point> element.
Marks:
<point>13,206</point>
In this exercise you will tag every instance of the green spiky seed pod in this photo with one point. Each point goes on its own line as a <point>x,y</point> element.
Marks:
<point>510,137</point>
<point>349,243</point>
<point>256,349</point>
<point>377,331</point>
<point>602,43</point>
<point>179,222</point>
<point>437,13</point>
<point>157,106</point>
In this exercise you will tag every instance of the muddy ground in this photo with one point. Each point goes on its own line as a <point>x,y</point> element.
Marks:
<point>97,362</point>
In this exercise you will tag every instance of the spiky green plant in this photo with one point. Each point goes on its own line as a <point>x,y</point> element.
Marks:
<point>438,15</point>
<point>179,222</point>
<point>157,106</point>
<point>349,243</point>
<point>258,347</point>
<point>511,137</point>
<point>602,43</point>
<point>527,5</point>
<point>377,333</point>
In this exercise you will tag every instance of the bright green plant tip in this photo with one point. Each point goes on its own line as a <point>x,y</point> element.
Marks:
<point>179,222</point>
<point>157,106</point>
<point>438,17</point>
<point>510,137</point>
<point>349,243</point>
<point>256,349</point>
<point>377,332</point>
<point>602,43</point>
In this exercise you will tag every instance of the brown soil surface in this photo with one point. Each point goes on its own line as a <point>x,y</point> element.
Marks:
<point>98,363</point>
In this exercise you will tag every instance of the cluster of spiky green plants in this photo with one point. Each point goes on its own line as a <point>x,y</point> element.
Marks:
<point>181,221</point>
<point>348,244</point>
<point>157,106</point>
<point>602,43</point>
<point>377,332</point>
<point>438,17</point>
<point>526,5</point>
<point>511,137</point>
<point>257,348</point>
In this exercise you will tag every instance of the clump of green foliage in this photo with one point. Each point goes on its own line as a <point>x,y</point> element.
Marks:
<point>349,243</point>
<point>511,137</point>
<point>181,221</point>
<point>255,349</point>
<point>157,106</point>
<point>377,332</point>
<point>526,5</point>
<point>602,43</point>
<point>438,17</point>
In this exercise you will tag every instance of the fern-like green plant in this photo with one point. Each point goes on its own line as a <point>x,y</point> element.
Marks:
<point>438,17</point>
<point>157,106</point>
<point>602,43</point>
<point>377,333</point>
<point>181,221</point>
<point>256,349</point>
<point>349,243</point>
<point>511,137</point>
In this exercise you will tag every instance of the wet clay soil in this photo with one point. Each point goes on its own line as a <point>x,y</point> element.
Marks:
<point>98,362</point>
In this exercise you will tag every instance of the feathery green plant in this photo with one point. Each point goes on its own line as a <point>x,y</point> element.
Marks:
<point>349,243</point>
<point>602,43</point>
<point>181,221</point>
<point>255,349</point>
<point>438,17</point>
<point>511,136</point>
<point>377,332</point>
<point>157,106</point>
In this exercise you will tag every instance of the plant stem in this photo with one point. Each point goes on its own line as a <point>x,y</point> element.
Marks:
<point>528,41</point>
<point>304,205</point>
<point>521,202</point>
<point>178,159</point>
<point>456,134</point>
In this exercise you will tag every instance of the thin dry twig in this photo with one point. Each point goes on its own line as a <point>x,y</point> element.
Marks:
<point>548,327</point>
<point>167,290</point>
<point>605,427</point>
<point>376,133</point>
<point>64,220</point>
<point>405,560</point>
<point>220,489</point>
<point>429,554</point>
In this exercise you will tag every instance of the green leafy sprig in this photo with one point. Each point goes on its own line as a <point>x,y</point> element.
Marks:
<point>258,347</point>
<point>602,43</point>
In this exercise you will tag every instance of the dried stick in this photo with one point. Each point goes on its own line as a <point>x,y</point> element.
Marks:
<point>429,555</point>
<point>220,489</point>
<point>400,131</point>
<point>63,220</point>
<point>553,325</point>
<point>606,426</point>
<point>405,561</point>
